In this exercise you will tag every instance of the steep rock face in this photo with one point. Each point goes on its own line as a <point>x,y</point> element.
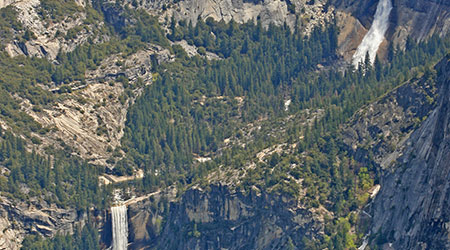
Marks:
<point>221,219</point>
<point>351,34</point>
<point>270,11</point>
<point>302,13</point>
<point>363,10</point>
<point>419,19</point>
<point>412,210</point>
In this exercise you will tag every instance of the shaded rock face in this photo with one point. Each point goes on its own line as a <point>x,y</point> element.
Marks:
<point>363,10</point>
<point>220,219</point>
<point>420,18</point>
<point>114,14</point>
<point>18,219</point>
<point>412,209</point>
<point>380,131</point>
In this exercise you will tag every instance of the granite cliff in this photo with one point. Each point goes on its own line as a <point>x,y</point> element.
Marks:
<point>405,135</point>
<point>218,218</point>
<point>412,209</point>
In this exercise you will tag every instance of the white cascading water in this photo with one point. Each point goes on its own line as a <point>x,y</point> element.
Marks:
<point>119,227</point>
<point>375,36</point>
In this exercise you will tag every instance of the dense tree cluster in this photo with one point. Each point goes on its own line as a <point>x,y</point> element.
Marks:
<point>193,106</point>
<point>8,23</point>
<point>63,180</point>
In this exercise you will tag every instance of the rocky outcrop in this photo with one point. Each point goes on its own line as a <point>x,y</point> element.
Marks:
<point>91,118</point>
<point>269,11</point>
<point>379,132</point>
<point>86,122</point>
<point>301,13</point>
<point>49,36</point>
<point>4,3</point>
<point>192,50</point>
<point>412,209</point>
<point>218,218</point>
<point>406,136</point>
<point>19,219</point>
<point>136,66</point>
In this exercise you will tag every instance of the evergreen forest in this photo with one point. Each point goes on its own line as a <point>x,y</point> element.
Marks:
<point>195,105</point>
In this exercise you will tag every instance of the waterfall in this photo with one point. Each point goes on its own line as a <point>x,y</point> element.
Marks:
<point>375,36</point>
<point>119,227</point>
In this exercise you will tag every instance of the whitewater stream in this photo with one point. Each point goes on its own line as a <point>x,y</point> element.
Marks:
<point>119,227</point>
<point>372,40</point>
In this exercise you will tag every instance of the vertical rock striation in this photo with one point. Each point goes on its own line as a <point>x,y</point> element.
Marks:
<point>412,210</point>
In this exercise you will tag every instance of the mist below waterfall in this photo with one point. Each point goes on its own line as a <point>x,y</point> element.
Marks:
<point>372,40</point>
<point>119,227</point>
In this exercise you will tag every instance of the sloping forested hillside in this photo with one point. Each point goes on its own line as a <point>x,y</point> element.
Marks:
<point>260,110</point>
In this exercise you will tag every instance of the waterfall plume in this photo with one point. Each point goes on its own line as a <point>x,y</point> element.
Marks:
<point>119,227</point>
<point>375,35</point>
